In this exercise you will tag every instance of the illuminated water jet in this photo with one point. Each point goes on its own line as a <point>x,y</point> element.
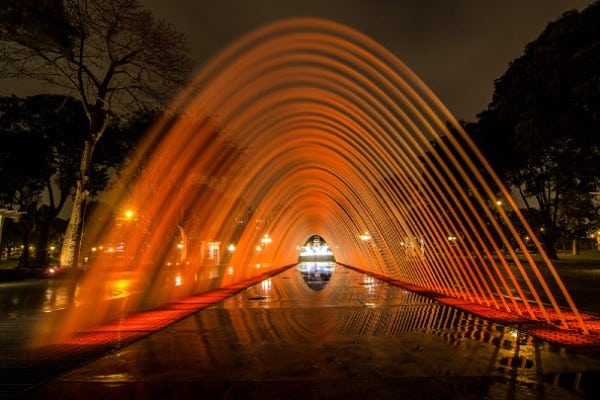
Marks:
<point>308,127</point>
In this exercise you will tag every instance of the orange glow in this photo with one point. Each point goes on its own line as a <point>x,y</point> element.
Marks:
<point>308,127</point>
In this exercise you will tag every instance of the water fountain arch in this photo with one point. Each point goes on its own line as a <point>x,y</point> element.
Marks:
<point>309,127</point>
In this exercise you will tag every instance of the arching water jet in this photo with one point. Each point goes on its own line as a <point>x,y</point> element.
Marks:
<point>307,126</point>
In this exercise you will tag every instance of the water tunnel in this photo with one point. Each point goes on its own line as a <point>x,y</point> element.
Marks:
<point>305,126</point>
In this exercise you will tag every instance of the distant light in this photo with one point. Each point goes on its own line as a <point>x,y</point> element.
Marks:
<point>266,239</point>
<point>365,236</point>
<point>308,251</point>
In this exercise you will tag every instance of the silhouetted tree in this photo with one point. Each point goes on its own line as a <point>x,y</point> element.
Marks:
<point>40,147</point>
<point>112,54</point>
<point>35,176</point>
<point>542,129</point>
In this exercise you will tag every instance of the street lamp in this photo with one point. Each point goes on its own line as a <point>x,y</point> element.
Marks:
<point>365,236</point>
<point>265,240</point>
<point>499,217</point>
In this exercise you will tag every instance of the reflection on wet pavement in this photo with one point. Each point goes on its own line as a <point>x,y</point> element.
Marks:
<point>335,334</point>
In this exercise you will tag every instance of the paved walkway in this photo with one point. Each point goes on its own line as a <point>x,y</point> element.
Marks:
<point>306,334</point>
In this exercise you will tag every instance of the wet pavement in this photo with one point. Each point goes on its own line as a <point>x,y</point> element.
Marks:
<point>318,332</point>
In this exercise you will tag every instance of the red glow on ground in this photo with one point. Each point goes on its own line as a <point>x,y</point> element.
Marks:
<point>551,332</point>
<point>128,329</point>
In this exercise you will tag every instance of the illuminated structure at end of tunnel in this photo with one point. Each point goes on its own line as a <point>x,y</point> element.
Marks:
<point>307,127</point>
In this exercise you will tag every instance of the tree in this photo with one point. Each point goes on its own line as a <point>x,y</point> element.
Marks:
<point>542,129</point>
<point>112,54</point>
<point>40,146</point>
<point>26,165</point>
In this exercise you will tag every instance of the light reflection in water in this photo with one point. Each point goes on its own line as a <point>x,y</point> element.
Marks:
<point>57,298</point>
<point>266,286</point>
<point>332,335</point>
<point>24,298</point>
<point>316,274</point>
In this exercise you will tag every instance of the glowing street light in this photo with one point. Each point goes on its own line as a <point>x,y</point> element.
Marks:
<point>265,240</point>
<point>365,236</point>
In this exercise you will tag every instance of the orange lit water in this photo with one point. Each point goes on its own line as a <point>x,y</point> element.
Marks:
<point>308,127</point>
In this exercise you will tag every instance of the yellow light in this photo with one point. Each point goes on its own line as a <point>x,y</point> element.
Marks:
<point>266,239</point>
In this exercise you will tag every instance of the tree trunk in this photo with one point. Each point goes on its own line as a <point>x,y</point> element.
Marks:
<point>41,254</point>
<point>46,217</point>
<point>69,255</point>
<point>25,259</point>
<point>549,246</point>
<point>575,247</point>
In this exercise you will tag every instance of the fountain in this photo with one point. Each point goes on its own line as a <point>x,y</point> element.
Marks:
<point>308,127</point>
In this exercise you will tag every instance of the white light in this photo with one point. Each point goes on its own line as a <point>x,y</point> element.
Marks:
<point>307,251</point>
<point>266,239</point>
<point>266,285</point>
<point>365,236</point>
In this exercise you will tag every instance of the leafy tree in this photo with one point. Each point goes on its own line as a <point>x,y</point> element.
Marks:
<point>33,132</point>
<point>40,146</point>
<point>112,54</point>
<point>542,129</point>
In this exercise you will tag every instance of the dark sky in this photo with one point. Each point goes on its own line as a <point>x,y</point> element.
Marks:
<point>458,47</point>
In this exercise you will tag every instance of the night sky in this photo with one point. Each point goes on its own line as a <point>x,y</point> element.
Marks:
<point>458,47</point>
